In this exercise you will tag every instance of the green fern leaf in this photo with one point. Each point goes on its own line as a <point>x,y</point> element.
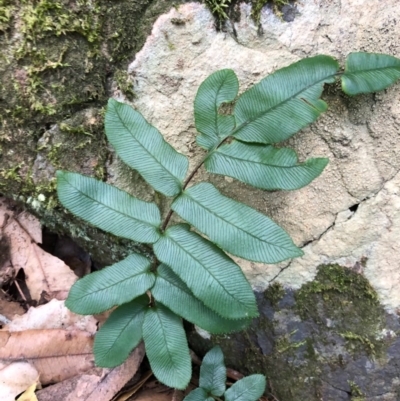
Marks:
<point>263,166</point>
<point>220,87</point>
<point>235,227</point>
<point>142,147</point>
<point>284,102</point>
<point>111,286</point>
<point>109,208</point>
<point>166,347</point>
<point>213,372</point>
<point>120,334</point>
<point>198,394</point>
<point>211,275</point>
<point>250,388</point>
<point>172,292</point>
<point>369,72</point>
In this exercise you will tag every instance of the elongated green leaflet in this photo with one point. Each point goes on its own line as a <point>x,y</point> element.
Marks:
<point>213,372</point>
<point>235,227</point>
<point>284,102</point>
<point>172,292</point>
<point>166,347</point>
<point>120,334</point>
<point>211,275</point>
<point>250,388</point>
<point>263,166</point>
<point>369,72</point>
<point>108,208</point>
<point>111,286</point>
<point>142,147</point>
<point>198,394</point>
<point>221,86</point>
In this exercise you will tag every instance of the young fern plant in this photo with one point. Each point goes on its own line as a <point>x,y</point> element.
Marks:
<point>212,382</point>
<point>190,276</point>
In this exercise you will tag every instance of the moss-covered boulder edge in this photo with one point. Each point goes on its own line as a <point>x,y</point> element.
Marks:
<point>58,61</point>
<point>329,340</point>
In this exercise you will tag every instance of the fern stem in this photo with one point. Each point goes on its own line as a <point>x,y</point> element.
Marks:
<point>190,177</point>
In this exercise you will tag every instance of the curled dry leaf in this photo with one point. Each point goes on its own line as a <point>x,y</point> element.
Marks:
<point>9,308</point>
<point>43,272</point>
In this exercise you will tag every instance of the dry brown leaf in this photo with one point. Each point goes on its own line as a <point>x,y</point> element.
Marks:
<point>56,354</point>
<point>96,384</point>
<point>53,315</point>
<point>31,225</point>
<point>127,394</point>
<point>43,272</point>
<point>16,378</point>
<point>10,308</point>
<point>154,395</point>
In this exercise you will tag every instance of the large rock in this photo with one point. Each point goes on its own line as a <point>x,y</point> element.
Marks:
<point>328,326</point>
<point>338,339</point>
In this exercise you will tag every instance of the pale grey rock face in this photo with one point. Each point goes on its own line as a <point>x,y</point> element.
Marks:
<point>351,212</point>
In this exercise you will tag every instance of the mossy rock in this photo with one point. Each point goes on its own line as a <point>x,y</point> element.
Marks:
<point>329,340</point>
<point>59,60</point>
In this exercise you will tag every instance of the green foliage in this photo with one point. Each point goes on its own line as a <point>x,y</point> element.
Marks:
<point>166,347</point>
<point>109,208</point>
<point>213,378</point>
<point>172,292</point>
<point>249,388</point>
<point>213,372</point>
<point>121,333</point>
<point>111,286</point>
<point>366,72</point>
<point>218,8</point>
<point>156,160</point>
<point>255,238</point>
<point>220,87</point>
<point>187,275</point>
<point>264,167</point>
<point>225,289</point>
<point>284,102</point>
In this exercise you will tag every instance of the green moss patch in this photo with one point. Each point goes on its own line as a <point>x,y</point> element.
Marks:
<point>313,343</point>
<point>225,9</point>
<point>58,59</point>
<point>345,302</point>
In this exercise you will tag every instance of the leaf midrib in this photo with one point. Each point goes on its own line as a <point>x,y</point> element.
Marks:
<point>347,73</point>
<point>111,285</point>
<point>176,179</point>
<point>175,286</point>
<point>216,109</point>
<point>110,208</point>
<point>223,219</point>
<point>123,329</point>
<point>261,114</point>
<point>170,355</point>
<point>212,275</point>
<point>218,151</point>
